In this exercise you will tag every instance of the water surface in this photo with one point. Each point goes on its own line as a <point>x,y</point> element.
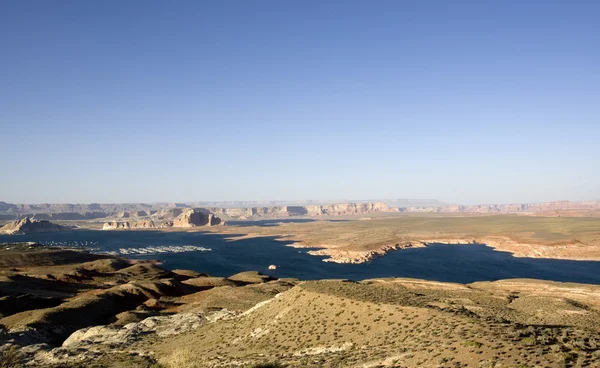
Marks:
<point>440,262</point>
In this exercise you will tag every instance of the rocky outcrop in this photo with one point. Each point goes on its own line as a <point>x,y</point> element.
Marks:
<point>347,209</point>
<point>116,225</point>
<point>161,212</point>
<point>343,209</point>
<point>29,225</point>
<point>196,217</point>
<point>193,217</point>
<point>163,326</point>
<point>144,224</point>
<point>128,225</point>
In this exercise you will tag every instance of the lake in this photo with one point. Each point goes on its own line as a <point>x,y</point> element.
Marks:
<point>439,262</point>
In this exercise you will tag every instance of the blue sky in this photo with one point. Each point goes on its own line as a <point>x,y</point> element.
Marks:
<point>463,101</point>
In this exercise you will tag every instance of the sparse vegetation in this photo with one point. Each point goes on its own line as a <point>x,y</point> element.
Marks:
<point>10,357</point>
<point>334,324</point>
<point>475,344</point>
<point>267,365</point>
<point>181,358</point>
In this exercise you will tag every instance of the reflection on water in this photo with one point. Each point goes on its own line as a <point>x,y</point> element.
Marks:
<point>441,262</point>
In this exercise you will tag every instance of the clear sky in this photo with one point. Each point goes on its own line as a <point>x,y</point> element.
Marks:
<point>463,101</point>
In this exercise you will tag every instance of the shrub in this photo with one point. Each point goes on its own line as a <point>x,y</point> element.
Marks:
<point>475,344</point>
<point>529,341</point>
<point>267,365</point>
<point>10,357</point>
<point>182,358</point>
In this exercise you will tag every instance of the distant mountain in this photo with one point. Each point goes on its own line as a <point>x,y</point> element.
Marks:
<point>244,209</point>
<point>506,208</point>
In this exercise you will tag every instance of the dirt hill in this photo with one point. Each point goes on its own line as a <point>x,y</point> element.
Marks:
<point>106,311</point>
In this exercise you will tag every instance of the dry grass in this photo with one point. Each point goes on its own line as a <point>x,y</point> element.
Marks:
<point>10,357</point>
<point>379,322</point>
<point>181,358</point>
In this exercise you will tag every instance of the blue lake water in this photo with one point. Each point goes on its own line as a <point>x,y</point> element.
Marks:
<point>440,262</point>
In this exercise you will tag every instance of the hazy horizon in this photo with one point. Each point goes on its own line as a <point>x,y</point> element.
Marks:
<point>304,201</point>
<point>470,102</point>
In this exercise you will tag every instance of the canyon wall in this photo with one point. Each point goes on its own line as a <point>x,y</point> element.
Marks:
<point>507,208</point>
<point>159,213</point>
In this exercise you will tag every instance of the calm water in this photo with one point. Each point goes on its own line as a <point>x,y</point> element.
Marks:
<point>455,263</point>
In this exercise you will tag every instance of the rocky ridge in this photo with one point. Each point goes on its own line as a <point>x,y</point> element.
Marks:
<point>109,312</point>
<point>128,225</point>
<point>189,218</point>
<point>506,208</point>
<point>165,211</point>
<point>28,225</point>
<point>341,209</point>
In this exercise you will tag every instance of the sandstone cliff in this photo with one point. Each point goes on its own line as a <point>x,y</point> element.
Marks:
<point>116,225</point>
<point>144,224</point>
<point>29,225</point>
<point>343,209</point>
<point>196,217</point>
<point>161,212</point>
<point>508,208</point>
<point>128,225</point>
<point>346,209</point>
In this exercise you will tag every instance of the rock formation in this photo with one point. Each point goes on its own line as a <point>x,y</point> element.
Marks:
<point>343,209</point>
<point>116,225</point>
<point>128,225</point>
<point>189,218</point>
<point>196,217</point>
<point>144,224</point>
<point>347,209</point>
<point>28,225</point>
<point>167,213</point>
<point>161,212</point>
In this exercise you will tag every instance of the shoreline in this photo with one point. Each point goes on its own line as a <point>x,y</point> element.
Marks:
<point>500,244</point>
<point>348,253</point>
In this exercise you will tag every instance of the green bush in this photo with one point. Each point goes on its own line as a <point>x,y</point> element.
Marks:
<point>475,344</point>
